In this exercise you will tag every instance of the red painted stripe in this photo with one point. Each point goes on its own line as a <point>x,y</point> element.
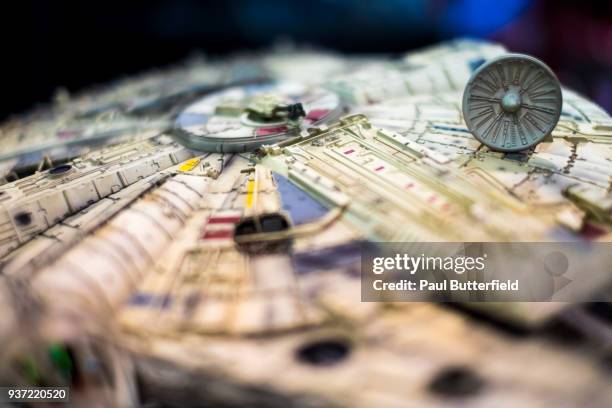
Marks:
<point>316,114</point>
<point>227,219</point>
<point>218,234</point>
<point>590,231</point>
<point>271,130</point>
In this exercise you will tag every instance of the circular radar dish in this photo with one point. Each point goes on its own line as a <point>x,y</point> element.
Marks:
<point>512,102</point>
<point>242,118</point>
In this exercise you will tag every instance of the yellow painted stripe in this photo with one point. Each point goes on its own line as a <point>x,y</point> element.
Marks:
<point>250,193</point>
<point>189,165</point>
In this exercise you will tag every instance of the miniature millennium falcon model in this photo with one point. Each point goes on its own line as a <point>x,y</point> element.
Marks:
<point>191,236</point>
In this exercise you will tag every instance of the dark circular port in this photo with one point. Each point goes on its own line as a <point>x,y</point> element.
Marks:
<point>456,381</point>
<point>23,218</point>
<point>263,224</point>
<point>56,171</point>
<point>324,352</point>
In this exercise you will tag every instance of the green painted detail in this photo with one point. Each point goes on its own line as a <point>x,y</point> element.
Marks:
<point>61,359</point>
<point>30,369</point>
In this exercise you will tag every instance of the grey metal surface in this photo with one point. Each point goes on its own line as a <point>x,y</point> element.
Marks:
<point>511,103</point>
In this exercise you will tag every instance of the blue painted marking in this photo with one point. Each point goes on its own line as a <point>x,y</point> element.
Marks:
<point>301,207</point>
<point>188,119</point>
<point>475,63</point>
<point>29,159</point>
<point>452,129</point>
<point>148,299</point>
<point>341,256</point>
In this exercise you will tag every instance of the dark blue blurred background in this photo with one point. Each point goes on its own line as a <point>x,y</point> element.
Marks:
<point>76,44</point>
